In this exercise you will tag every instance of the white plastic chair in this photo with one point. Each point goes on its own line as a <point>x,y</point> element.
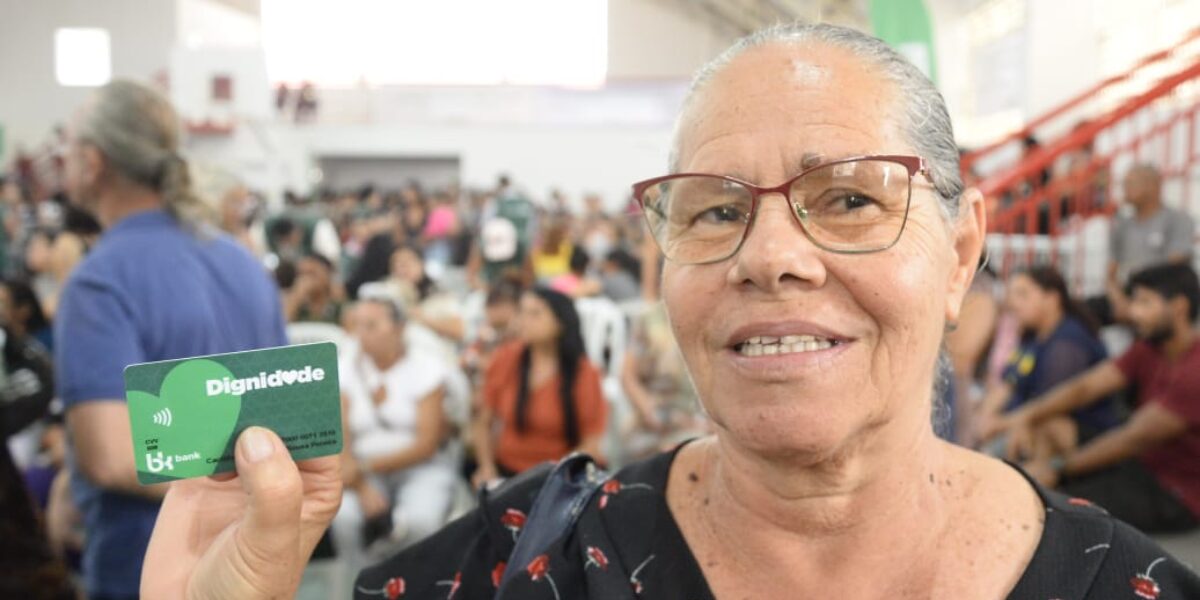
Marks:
<point>605,339</point>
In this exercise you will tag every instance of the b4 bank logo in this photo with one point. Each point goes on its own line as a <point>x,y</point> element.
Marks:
<point>158,462</point>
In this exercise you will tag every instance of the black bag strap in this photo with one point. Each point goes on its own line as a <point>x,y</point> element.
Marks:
<point>559,503</point>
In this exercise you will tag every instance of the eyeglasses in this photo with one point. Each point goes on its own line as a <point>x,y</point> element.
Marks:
<point>850,206</point>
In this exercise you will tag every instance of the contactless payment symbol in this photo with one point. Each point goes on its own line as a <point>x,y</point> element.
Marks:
<point>163,417</point>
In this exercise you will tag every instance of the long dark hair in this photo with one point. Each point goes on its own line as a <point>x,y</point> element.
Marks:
<point>22,295</point>
<point>1050,280</point>
<point>425,286</point>
<point>570,350</point>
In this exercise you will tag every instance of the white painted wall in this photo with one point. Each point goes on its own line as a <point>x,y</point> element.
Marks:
<point>142,33</point>
<point>205,23</point>
<point>1062,57</point>
<point>652,39</point>
<point>576,159</point>
<point>1069,47</point>
<point>192,71</point>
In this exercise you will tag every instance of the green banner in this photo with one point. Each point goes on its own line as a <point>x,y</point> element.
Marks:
<point>906,26</point>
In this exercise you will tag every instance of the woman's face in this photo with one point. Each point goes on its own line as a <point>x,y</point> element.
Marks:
<point>535,321</point>
<point>1029,303</point>
<point>771,112</point>
<point>406,266</point>
<point>500,316</point>
<point>37,255</point>
<point>414,214</point>
<point>377,332</point>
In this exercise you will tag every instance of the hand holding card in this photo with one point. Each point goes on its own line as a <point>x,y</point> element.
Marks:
<point>248,536</point>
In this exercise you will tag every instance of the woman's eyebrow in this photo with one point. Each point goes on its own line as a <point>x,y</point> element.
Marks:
<point>811,159</point>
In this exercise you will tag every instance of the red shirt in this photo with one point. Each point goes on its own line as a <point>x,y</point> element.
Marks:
<point>544,438</point>
<point>1175,386</point>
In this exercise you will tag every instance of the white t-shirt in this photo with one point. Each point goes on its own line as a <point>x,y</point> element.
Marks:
<point>391,426</point>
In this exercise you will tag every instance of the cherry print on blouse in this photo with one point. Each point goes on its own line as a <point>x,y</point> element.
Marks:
<point>633,579</point>
<point>393,589</point>
<point>539,569</point>
<point>596,558</point>
<point>513,520</point>
<point>453,583</point>
<point>498,573</point>
<point>1143,585</point>
<point>612,487</point>
<point>1085,503</point>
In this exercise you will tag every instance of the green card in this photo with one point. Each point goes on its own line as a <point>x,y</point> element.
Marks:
<point>186,414</point>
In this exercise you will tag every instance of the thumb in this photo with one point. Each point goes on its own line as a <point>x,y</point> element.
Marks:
<point>268,540</point>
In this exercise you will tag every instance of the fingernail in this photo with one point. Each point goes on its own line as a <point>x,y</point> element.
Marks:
<point>257,444</point>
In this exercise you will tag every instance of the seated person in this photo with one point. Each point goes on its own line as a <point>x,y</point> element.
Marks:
<point>394,431</point>
<point>619,273</point>
<point>1147,471</point>
<point>437,314</point>
<point>1058,342</point>
<point>655,380</point>
<point>498,328</point>
<point>541,396</point>
<point>314,296</point>
<point>576,283</point>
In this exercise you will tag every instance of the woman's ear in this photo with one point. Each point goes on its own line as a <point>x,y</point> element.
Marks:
<point>970,233</point>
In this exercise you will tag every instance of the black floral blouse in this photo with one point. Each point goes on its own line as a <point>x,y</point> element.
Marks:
<point>627,546</point>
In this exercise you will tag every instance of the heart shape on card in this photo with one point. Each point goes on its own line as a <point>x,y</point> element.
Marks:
<point>289,377</point>
<point>190,425</point>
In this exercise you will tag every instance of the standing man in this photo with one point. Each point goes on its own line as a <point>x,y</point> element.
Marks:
<point>159,285</point>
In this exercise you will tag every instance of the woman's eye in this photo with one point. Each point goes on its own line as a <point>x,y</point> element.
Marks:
<point>847,202</point>
<point>852,202</point>
<point>721,214</point>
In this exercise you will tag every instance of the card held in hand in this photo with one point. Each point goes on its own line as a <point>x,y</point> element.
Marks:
<point>186,415</point>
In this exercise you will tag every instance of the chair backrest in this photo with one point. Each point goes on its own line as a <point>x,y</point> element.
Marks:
<point>605,332</point>
<point>312,332</point>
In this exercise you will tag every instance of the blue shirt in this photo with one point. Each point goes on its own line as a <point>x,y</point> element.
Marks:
<point>149,291</point>
<point>1039,365</point>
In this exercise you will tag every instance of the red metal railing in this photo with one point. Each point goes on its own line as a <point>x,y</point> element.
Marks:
<point>970,158</point>
<point>1035,221</point>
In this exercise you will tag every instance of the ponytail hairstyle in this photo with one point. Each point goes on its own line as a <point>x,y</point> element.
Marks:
<point>570,351</point>
<point>138,132</point>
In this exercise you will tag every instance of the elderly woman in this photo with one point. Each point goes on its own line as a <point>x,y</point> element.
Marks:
<point>818,243</point>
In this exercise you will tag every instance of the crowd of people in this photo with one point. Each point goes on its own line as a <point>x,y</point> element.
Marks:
<point>460,317</point>
<point>484,331</point>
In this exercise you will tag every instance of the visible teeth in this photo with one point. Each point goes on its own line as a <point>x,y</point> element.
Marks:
<point>766,345</point>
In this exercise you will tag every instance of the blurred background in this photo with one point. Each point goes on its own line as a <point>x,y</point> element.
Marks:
<point>368,149</point>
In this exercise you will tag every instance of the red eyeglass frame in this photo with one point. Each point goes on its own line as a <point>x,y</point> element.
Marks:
<point>913,164</point>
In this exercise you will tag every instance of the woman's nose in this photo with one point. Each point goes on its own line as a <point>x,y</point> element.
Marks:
<point>776,251</point>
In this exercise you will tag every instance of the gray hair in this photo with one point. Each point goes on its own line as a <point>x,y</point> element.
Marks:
<point>138,132</point>
<point>925,122</point>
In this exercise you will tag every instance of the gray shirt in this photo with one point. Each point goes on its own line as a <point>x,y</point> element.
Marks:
<point>1137,244</point>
